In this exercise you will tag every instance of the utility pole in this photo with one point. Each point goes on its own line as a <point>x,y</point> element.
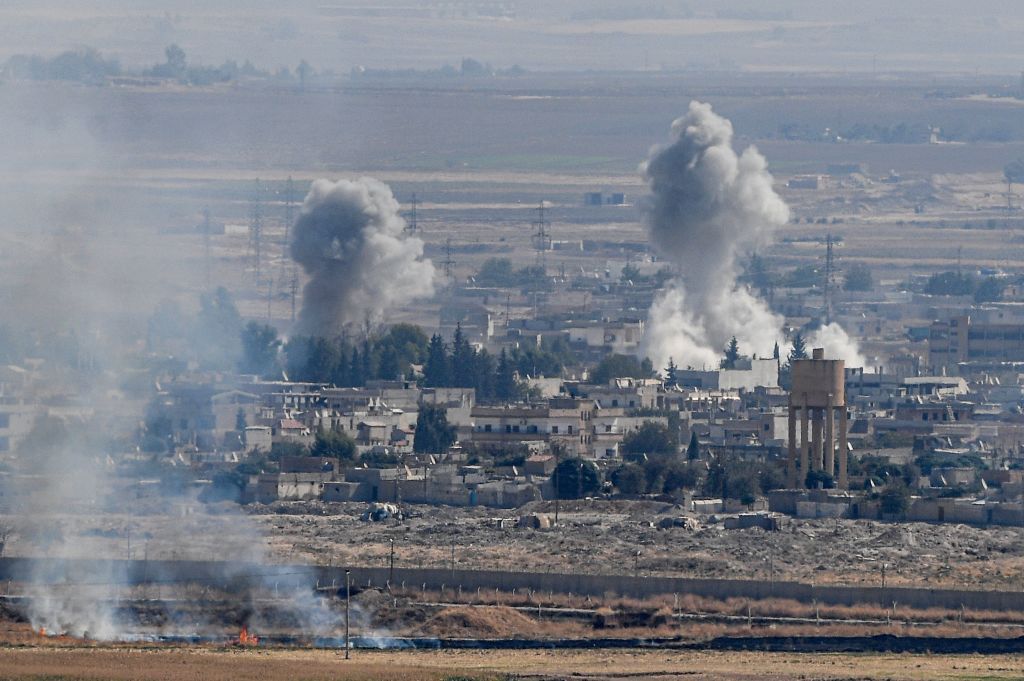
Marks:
<point>391,567</point>
<point>829,278</point>
<point>294,289</point>
<point>348,604</point>
<point>270,296</point>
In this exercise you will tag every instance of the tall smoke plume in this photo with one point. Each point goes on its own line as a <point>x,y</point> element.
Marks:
<point>349,239</point>
<point>707,206</point>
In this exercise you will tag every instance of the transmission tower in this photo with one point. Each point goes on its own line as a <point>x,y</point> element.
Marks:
<point>289,271</point>
<point>206,246</point>
<point>830,274</point>
<point>448,263</point>
<point>412,225</point>
<point>256,229</point>
<point>541,238</point>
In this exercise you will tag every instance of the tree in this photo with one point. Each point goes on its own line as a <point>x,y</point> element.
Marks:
<point>671,374</point>
<point>989,290</point>
<point>619,366</point>
<point>895,498</point>
<point>732,354</point>
<point>819,480</point>
<point>433,434</point>
<point>259,349</point>
<point>649,438</point>
<point>629,479</point>
<point>576,478</point>
<point>858,278</point>
<point>506,388</point>
<point>435,370</point>
<point>333,444</point>
<point>240,421</point>
<point>775,351</point>
<point>693,449</point>
<point>951,283</point>
<point>799,349</point>
<point>463,355</point>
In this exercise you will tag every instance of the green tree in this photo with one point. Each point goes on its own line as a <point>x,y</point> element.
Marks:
<point>650,438</point>
<point>496,272</point>
<point>436,368</point>
<point>732,354</point>
<point>259,349</point>
<point>693,449</point>
<point>858,278</point>
<point>576,478</point>
<point>463,355</point>
<point>433,433</point>
<point>799,349</point>
<point>950,283</point>
<point>989,290</point>
<point>629,479</point>
<point>895,498</point>
<point>775,351</point>
<point>671,374</point>
<point>333,444</point>
<point>620,366</point>
<point>506,388</point>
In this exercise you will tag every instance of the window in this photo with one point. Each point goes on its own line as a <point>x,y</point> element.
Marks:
<point>608,428</point>
<point>569,430</point>
<point>924,416</point>
<point>515,429</point>
<point>5,420</point>
<point>487,428</point>
<point>615,403</point>
<point>554,430</point>
<point>531,429</point>
<point>508,429</point>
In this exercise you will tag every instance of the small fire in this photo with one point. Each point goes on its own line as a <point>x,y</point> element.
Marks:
<point>247,639</point>
<point>42,631</point>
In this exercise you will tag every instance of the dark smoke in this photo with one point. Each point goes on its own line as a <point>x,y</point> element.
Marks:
<point>350,241</point>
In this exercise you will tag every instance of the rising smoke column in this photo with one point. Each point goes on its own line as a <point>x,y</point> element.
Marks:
<point>350,241</point>
<point>707,206</point>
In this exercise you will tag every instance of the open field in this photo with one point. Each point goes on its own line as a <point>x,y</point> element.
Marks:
<point>142,664</point>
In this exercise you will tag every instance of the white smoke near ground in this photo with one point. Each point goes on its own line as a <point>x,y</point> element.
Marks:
<point>707,206</point>
<point>351,242</point>
<point>837,344</point>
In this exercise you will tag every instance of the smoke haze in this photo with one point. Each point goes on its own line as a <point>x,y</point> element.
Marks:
<point>707,206</point>
<point>350,241</point>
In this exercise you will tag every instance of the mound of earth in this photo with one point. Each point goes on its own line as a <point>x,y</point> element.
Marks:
<point>478,622</point>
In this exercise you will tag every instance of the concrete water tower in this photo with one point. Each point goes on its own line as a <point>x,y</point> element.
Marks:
<point>818,395</point>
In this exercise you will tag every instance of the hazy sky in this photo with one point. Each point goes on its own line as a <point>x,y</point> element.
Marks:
<point>928,35</point>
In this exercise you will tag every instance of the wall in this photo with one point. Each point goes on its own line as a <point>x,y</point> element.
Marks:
<point>230,575</point>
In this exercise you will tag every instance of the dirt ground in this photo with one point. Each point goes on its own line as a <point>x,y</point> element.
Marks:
<point>598,536</point>
<point>604,536</point>
<point>127,663</point>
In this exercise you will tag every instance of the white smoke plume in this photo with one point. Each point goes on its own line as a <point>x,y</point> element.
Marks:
<point>350,240</point>
<point>707,206</point>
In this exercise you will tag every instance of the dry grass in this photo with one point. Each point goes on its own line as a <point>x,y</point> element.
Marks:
<point>138,664</point>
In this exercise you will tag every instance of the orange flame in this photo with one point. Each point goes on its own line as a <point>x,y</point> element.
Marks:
<point>247,639</point>
<point>42,631</point>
